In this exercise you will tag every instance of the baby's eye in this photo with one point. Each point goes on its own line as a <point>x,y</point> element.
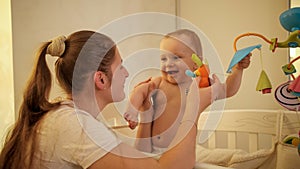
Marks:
<point>163,59</point>
<point>175,57</point>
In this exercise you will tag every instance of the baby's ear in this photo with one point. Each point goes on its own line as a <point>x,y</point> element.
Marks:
<point>201,57</point>
<point>195,67</point>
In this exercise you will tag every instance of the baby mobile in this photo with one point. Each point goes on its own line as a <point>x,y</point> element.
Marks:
<point>288,93</point>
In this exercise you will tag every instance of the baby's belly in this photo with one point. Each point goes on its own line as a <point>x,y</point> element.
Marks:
<point>164,139</point>
<point>167,118</point>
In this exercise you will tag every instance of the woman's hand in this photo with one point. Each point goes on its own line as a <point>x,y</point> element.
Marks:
<point>218,89</point>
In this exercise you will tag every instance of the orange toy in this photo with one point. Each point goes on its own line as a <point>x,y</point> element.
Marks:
<point>202,71</point>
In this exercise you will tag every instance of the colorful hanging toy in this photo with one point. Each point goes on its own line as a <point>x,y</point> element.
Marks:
<point>202,71</point>
<point>290,20</point>
<point>264,83</point>
<point>288,93</point>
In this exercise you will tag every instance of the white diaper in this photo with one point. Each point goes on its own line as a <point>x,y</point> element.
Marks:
<point>158,150</point>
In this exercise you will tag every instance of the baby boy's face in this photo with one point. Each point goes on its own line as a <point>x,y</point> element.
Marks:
<point>175,59</point>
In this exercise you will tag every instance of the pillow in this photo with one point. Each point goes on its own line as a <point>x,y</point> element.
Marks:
<point>235,158</point>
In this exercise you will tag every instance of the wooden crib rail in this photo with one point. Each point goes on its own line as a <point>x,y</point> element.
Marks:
<point>249,130</point>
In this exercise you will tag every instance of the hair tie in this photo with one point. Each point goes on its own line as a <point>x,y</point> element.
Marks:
<point>57,46</point>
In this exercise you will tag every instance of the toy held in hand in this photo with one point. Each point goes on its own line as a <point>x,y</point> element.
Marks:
<point>240,55</point>
<point>202,71</point>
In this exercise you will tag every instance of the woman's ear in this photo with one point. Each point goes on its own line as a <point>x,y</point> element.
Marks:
<point>101,81</point>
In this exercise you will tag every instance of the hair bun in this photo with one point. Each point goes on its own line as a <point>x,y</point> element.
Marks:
<point>57,46</point>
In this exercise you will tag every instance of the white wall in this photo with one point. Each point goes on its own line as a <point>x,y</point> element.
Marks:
<point>6,70</point>
<point>223,21</point>
<point>36,21</point>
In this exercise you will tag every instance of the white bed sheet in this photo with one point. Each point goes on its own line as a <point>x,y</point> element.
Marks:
<point>209,166</point>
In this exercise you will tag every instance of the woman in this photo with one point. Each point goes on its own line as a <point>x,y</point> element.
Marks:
<point>64,133</point>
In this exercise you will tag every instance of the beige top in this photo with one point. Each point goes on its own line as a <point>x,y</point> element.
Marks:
<point>72,139</point>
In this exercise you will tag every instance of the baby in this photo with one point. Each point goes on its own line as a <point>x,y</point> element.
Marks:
<point>161,114</point>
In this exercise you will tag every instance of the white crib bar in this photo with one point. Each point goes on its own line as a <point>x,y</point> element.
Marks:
<point>212,140</point>
<point>231,137</point>
<point>253,142</point>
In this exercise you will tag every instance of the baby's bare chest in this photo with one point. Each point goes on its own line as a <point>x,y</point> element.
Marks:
<point>168,109</point>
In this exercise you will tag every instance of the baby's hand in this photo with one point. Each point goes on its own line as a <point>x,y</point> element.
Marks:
<point>245,62</point>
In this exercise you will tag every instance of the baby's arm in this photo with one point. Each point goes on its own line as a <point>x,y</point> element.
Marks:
<point>233,81</point>
<point>143,140</point>
<point>138,98</point>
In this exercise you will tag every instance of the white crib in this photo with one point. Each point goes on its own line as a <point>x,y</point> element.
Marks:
<point>248,139</point>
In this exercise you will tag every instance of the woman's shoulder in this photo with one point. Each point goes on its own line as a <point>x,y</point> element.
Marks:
<point>74,135</point>
<point>66,109</point>
<point>60,117</point>
<point>67,120</point>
